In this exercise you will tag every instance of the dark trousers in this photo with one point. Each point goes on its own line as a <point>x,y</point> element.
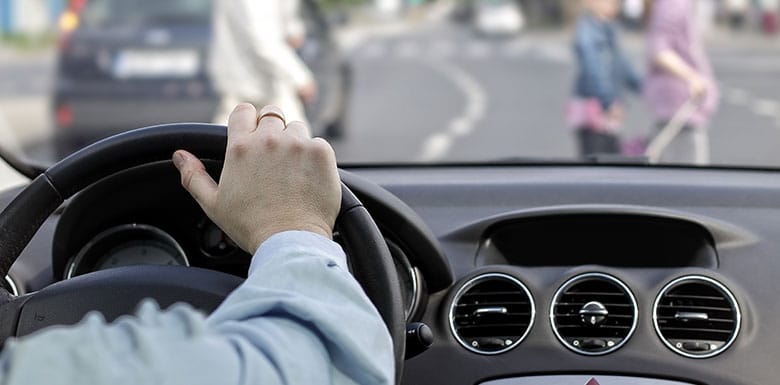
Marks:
<point>593,142</point>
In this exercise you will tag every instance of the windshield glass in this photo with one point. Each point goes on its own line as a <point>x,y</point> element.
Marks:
<point>692,82</point>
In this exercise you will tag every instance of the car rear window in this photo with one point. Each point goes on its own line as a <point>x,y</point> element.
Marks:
<point>123,12</point>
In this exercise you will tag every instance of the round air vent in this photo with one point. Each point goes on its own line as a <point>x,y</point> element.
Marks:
<point>593,314</point>
<point>492,313</point>
<point>696,317</point>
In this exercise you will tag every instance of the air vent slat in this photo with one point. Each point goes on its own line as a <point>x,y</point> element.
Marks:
<point>696,317</point>
<point>590,294</point>
<point>492,313</point>
<point>488,303</point>
<point>690,307</point>
<point>502,315</point>
<point>491,293</point>
<point>611,316</point>
<point>729,322</point>
<point>593,314</point>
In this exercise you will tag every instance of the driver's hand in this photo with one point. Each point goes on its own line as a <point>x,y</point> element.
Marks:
<point>276,178</point>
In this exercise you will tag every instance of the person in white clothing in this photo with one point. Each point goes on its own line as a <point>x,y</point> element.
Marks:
<point>253,57</point>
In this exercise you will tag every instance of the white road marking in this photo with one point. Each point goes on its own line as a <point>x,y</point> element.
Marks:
<point>769,108</point>
<point>738,97</point>
<point>437,145</point>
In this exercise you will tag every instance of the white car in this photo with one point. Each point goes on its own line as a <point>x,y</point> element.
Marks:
<point>498,17</point>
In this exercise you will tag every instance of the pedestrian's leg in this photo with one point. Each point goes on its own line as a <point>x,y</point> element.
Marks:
<point>595,143</point>
<point>701,145</point>
<point>586,141</point>
<point>690,147</point>
<point>286,98</point>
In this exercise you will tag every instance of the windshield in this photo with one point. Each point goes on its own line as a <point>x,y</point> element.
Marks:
<point>691,82</point>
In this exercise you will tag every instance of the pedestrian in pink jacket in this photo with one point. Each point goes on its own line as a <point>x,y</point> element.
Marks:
<point>680,71</point>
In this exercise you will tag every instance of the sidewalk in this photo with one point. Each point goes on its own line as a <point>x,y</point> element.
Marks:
<point>25,85</point>
<point>366,24</point>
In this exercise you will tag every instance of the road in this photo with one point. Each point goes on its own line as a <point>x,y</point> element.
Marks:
<point>441,93</point>
<point>434,91</point>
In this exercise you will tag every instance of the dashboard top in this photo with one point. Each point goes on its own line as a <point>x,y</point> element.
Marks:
<point>717,224</point>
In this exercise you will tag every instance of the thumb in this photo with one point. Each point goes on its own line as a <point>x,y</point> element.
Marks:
<point>196,180</point>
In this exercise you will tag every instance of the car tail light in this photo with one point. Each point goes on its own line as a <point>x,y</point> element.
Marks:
<point>64,116</point>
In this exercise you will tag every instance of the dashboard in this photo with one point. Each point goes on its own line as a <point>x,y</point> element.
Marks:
<point>562,275</point>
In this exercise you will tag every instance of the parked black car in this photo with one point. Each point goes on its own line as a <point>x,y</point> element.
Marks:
<point>126,65</point>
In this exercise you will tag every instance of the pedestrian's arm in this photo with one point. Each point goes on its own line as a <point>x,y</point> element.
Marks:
<point>671,62</point>
<point>632,78</point>
<point>295,28</point>
<point>667,25</point>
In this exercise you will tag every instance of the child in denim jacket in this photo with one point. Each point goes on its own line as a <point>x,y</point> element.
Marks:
<point>596,112</point>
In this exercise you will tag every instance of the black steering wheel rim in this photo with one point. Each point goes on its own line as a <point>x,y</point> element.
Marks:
<point>370,258</point>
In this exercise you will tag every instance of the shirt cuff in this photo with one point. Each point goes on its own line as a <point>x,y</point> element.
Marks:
<point>287,244</point>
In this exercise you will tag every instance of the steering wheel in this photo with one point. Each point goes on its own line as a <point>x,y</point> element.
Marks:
<point>118,291</point>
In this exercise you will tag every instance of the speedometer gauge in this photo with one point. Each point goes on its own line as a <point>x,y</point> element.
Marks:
<point>127,245</point>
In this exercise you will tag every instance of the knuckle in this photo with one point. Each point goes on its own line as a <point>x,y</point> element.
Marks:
<point>270,141</point>
<point>239,148</point>
<point>297,146</point>
<point>322,149</point>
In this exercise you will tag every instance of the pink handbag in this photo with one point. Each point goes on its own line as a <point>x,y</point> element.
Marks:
<point>588,113</point>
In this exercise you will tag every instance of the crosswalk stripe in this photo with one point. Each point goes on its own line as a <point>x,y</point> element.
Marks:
<point>768,108</point>
<point>473,50</point>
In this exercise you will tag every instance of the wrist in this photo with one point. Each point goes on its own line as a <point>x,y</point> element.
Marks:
<point>263,235</point>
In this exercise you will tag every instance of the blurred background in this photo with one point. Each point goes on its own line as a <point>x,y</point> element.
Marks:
<point>399,80</point>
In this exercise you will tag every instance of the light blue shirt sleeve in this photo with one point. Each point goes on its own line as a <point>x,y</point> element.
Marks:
<point>300,318</point>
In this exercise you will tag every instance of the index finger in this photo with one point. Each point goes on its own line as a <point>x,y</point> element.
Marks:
<point>242,120</point>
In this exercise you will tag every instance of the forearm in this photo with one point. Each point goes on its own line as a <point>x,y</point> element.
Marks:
<point>300,281</point>
<point>300,318</point>
<point>672,63</point>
